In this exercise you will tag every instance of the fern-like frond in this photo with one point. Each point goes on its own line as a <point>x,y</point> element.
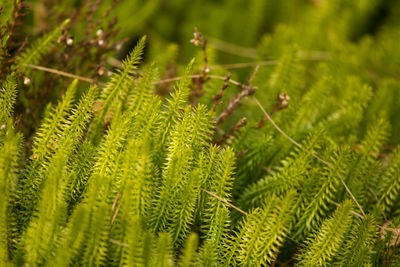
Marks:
<point>9,152</point>
<point>117,89</point>
<point>70,240</point>
<point>290,175</point>
<point>261,241</point>
<point>375,137</point>
<point>390,190</point>
<point>95,243</point>
<point>143,89</point>
<point>283,78</point>
<point>358,249</point>
<point>40,236</point>
<point>184,205</point>
<point>146,119</point>
<point>324,244</point>
<point>316,210</point>
<point>189,135</point>
<point>354,97</point>
<point>8,95</point>
<point>52,126</point>
<point>163,251</point>
<point>38,49</point>
<point>207,164</point>
<point>43,229</point>
<point>44,147</point>
<point>364,167</point>
<point>170,115</point>
<point>6,19</point>
<point>139,242</point>
<point>189,256</point>
<point>216,221</point>
<point>208,255</point>
<point>136,179</point>
<point>79,173</point>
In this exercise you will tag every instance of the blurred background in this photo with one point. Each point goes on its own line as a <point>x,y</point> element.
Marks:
<point>350,38</point>
<point>245,23</point>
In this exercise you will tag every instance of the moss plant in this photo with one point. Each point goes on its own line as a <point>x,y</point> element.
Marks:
<point>121,150</point>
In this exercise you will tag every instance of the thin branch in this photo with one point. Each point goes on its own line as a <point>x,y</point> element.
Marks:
<point>253,74</point>
<point>352,212</point>
<point>317,57</point>
<point>115,201</point>
<point>231,133</point>
<point>314,55</point>
<point>116,213</point>
<point>275,125</point>
<point>396,230</point>
<point>224,201</point>
<point>217,98</point>
<point>198,76</point>
<point>245,64</point>
<point>232,48</point>
<point>86,79</point>
<point>252,52</point>
<point>235,102</point>
<point>380,208</point>
<point>59,72</point>
<point>116,242</point>
<point>313,154</point>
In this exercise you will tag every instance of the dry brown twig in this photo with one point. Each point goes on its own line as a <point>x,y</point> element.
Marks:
<point>217,97</point>
<point>59,72</point>
<point>247,90</point>
<point>231,133</point>
<point>89,80</point>
<point>246,52</point>
<point>224,201</point>
<point>235,102</point>
<point>198,83</point>
<point>282,102</point>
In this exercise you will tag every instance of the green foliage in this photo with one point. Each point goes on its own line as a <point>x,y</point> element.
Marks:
<point>7,98</point>
<point>261,238</point>
<point>391,183</point>
<point>323,194</point>
<point>358,249</point>
<point>290,175</point>
<point>321,246</point>
<point>189,253</point>
<point>42,46</point>
<point>162,163</point>
<point>9,151</point>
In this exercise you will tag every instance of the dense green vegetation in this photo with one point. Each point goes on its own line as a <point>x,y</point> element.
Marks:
<point>199,133</point>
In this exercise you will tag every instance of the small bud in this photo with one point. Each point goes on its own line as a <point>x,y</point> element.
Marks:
<point>3,126</point>
<point>99,32</point>
<point>207,69</point>
<point>101,42</point>
<point>109,73</point>
<point>197,38</point>
<point>195,41</point>
<point>284,96</point>
<point>283,100</point>
<point>70,41</point>
<point>118,46</point>
<point>27,81</point>
<point>101,71</point>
